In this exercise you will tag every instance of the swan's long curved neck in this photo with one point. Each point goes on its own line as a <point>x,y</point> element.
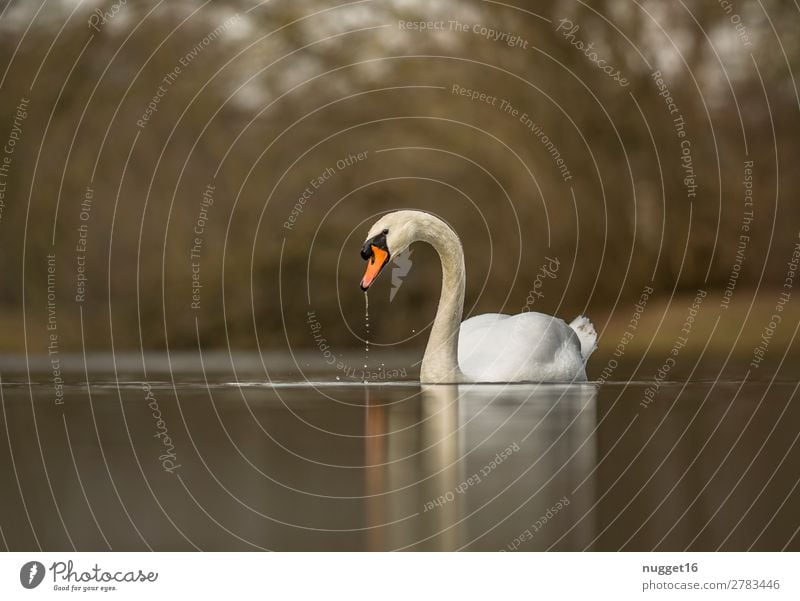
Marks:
<point>440,363</point>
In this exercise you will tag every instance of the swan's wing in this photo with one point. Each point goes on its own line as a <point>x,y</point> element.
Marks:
<point>485,320</point>
<point>527,346</point>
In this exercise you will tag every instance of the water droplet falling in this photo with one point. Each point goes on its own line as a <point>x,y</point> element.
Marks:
<point>366,334</point>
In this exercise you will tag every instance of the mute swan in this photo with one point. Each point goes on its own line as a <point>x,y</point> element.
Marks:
<point>486,348</point>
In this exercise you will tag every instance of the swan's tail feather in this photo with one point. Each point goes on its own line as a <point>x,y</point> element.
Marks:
<point>586,334</point>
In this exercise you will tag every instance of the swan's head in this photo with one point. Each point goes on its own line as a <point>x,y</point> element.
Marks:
<point>390,235</point>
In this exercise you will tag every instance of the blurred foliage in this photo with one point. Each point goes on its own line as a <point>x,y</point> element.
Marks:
<point>292,87</point>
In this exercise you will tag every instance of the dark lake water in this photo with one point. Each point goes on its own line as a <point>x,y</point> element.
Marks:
<point>214,459</point>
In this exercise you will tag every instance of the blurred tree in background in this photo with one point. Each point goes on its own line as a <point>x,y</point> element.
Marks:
<point>256,102</point>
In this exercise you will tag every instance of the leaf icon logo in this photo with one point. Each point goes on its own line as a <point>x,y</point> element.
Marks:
<point>31,574</point>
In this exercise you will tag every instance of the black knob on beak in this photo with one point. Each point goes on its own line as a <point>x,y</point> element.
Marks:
<point>366,251</point>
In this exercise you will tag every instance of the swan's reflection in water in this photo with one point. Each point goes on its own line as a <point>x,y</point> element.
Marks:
<point>353,467</point>
<point>487,467</point>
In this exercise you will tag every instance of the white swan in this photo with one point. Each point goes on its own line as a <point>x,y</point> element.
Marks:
<point>486,348</point>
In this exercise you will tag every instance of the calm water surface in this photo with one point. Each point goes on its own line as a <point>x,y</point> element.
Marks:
<point>188,458</point>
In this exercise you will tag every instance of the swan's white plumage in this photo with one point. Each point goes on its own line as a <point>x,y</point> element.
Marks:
<point>493,347</point>
<point>586,334</point>
<point>510,348</point>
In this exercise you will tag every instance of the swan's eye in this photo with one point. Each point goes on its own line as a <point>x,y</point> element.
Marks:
<point>385,232</point>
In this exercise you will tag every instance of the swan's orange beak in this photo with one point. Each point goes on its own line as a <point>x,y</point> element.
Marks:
<point>375,263</point>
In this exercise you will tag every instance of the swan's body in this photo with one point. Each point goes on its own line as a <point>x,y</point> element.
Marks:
<point>528,346</point>
<point>486,348</point>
